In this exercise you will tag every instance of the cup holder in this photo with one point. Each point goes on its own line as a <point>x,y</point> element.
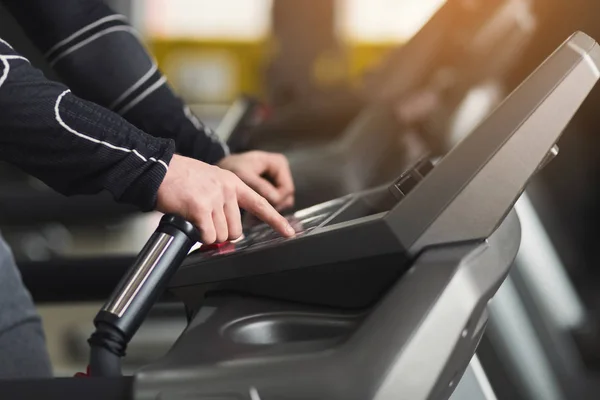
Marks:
<point>273,329</point>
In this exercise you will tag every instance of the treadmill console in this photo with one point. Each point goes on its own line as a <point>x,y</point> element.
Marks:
<point>345,209</point>
<point>473,187</point>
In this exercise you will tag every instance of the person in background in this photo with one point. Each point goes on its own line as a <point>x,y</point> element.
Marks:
<point>113,124</point>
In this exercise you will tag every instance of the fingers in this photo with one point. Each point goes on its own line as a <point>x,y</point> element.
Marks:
<point>226,213</point>
<point>210,197</point>
<point>221,225</point>
<point>205,224</point>
<point>234,219</point>
<point>279,169</point>
<point>260,207</point>
<point>286,203</point>
<point>263,187</point>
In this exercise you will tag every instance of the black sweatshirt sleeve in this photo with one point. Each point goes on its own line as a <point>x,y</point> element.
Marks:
<point>73,145</point>
<point>100,57</point>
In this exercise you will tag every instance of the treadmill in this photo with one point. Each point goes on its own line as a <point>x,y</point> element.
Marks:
<point>381,295</point>
<point>354,305</point>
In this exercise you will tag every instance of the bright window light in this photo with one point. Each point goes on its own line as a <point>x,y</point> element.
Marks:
<point>250,20</point>
<point>206,19</point>
<point>384,20</point>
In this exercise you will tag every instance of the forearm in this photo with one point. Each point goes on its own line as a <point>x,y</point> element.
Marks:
<point>74,146</point>
<point>102,60</point>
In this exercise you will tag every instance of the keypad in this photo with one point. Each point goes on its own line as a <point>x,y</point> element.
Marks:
<point>261,234</point>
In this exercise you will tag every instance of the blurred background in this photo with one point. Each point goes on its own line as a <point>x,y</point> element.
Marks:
<point>395,77</point>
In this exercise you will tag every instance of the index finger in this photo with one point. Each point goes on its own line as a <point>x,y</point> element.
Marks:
<point>279,169</point>
<point>257,205</point>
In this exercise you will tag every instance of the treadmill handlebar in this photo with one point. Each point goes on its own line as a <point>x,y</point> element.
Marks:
<point>121,316</point>
<point>239,119</point>
<point>176,224</point>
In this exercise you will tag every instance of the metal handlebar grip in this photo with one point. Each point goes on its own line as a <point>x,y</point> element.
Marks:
<point>145,281</point>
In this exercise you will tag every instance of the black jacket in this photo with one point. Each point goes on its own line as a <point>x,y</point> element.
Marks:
<point>117,124</point>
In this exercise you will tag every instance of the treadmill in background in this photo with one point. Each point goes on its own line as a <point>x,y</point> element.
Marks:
<point>404,71</point>
<point>377,142</point>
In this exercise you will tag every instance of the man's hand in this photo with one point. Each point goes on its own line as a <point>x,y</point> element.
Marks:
<point>211,197</point>
<point>267,173</point>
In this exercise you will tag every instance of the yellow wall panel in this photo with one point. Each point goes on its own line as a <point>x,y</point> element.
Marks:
<point>244,64</point>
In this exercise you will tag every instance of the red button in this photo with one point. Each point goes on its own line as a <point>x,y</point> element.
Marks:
<point>210,247</point>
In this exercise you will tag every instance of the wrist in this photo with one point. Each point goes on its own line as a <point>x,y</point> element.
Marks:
<point>143,191</point>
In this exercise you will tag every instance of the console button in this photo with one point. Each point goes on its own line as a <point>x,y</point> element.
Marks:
<point>210,247</point>
<point>407,184</point>
<point>424,167</point>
